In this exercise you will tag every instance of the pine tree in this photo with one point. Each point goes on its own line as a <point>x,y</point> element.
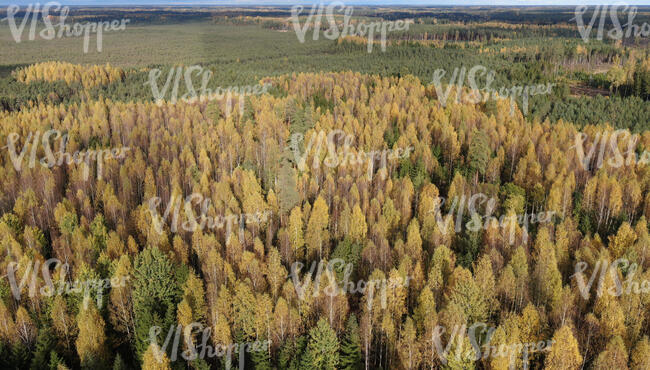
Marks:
<point>350,358</point>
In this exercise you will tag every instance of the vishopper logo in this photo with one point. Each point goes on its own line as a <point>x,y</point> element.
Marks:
<point>460,333</point>
<point>463,205</point>
<point>618,288</point>
<point>187,75</point>
<point>50,31</point>
<point>342,158</point>
<point>203,350</point>
<point>618,32</point>
<point>343,29</point>
<point>194,223</point>
<point>52,159</point>
<point>477,94</point>
<point>606,144</point>
<point>333,289</point>
<point>85,287</point>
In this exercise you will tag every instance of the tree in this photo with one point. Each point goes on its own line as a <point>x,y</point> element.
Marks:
<point>613,357</point>
<point>45,344</point>
<point>426,319</point>
<point>244,306</point>
<point>295,232</point>
<point>19,356</point>
<point>155,359</point>
<point>564,352</point>
<point>155,295</point>
<point>479,152</point>
<point>640,357</point>
<point>465,293</point>
<point>358,227</point>
<point>414,241</point>
<point>351,346</point>
<point>194,295</point>
<point>291,353</point>
<point>62,322</point>
<point>262,359</point>
<point>485,281</point>
<point>549,279</point>
<point>91,342</point>
<point>277,274</point>
<point>497,361</point>
<point>118,363</point>
<point>622,241</point>
<point>287,188</point>
<point>409,347</point>
<point>317,229</point>
<point>323,348</point>
<point>25,327</point>
<point>121,302</point>
<point>608,309</point>
<point>56,362</point>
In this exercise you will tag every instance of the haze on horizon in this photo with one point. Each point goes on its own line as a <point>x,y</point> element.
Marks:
<point>309,2</point>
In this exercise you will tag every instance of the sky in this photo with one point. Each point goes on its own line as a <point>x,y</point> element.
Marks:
<point>350,2</point>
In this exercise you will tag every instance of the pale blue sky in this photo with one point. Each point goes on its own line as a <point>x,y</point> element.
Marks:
<point>353,2</point>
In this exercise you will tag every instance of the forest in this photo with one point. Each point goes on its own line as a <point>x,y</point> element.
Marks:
<point>345,217</point>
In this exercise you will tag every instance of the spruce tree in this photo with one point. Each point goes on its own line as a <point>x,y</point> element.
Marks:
<point>322,349</point>
<point>44,345</point>
<point>155,295</point>
<point>261,359</point>
<point>118,363</point>
<point>291,353</point>
<point>351,346</point>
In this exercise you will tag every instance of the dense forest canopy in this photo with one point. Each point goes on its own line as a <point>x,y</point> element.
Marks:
<point>330,208</point>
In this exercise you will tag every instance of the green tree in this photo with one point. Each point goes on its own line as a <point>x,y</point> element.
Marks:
<point>323,348</point>
<point>350,358</point>
<point>45,343</point>
<point>287,189</point>
<point>479,152</point>
<point>118,363</point>
<point>155,295</point>
<point>291,352</point>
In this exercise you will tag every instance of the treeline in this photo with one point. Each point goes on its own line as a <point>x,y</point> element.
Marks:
<point>88,76</point>
<point>488,31</point>
<point>513,15</point>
